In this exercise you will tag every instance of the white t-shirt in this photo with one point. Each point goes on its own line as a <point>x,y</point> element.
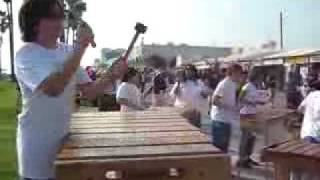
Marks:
<point>131,92</point>
<point>44,120</point>
<point>190,97</point>
<point>250,95</point>
<point>229,112</point>
<point>311,121</point>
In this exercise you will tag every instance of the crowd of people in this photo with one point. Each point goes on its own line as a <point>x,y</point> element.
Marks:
<point>228,98</point>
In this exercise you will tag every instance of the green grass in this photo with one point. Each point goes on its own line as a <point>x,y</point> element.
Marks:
<point>7,130</point>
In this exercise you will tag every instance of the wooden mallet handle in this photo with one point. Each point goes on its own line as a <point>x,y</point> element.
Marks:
<point>140,29</point>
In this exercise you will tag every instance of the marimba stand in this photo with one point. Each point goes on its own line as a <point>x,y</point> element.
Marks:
<point>292,155</point>
<point>146,145</point>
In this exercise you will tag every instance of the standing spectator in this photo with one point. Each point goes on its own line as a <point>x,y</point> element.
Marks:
<point>91,72</point>
<point>128,94</point>
<point>159,85</point>
<point>310,106</point>
<point>248,111</point>
<point>294,96</point>
<point>190,94</point>
<point>310,131</point>
<point>312,79</point>
<point>272,85</point>
<point>225,109</point>
<point>214,80</point>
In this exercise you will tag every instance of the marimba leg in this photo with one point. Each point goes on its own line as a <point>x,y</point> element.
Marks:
<point>281,172</point>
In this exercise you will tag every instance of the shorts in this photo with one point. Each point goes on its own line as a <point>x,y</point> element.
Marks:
<point>221,133</point>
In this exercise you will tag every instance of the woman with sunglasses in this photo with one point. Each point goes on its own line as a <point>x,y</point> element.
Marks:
<point>47,73</point>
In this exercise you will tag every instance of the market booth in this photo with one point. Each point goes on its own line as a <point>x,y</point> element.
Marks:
<point>305,60</point>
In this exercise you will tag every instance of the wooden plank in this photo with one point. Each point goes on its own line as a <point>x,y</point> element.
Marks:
<point>197,167</point>
<point>308,148</point>
<point>132,141</point>
<point>127,117</point>
<point>295,151</point>
<point>123,125</point>
<point>283,146</point>
<point>282,150</point>
<point>137,151</point>
<point>134,129</point>
<point>136,135</point>
<point>293,147</point>
<point>116,114</point>
<point>138,121</point>
<point>126,120</point>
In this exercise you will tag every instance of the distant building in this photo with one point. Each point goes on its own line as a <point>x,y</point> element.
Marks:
<point>109,55</point>
<point>187,53</point>
<point>183,53</point>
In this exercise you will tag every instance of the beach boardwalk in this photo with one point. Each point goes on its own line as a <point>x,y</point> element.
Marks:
<point>154,144</point>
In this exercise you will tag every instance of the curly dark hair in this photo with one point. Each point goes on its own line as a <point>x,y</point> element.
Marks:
<point>32,11</point>
<point>191,67</point>
<point>157,62</point>
<point>129,74</point>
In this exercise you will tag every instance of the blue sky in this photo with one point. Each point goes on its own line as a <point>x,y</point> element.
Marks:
<point>245,23</point>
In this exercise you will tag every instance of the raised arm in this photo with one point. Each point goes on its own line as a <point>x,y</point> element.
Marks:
<point>55,83</point>
<point>44,76</point>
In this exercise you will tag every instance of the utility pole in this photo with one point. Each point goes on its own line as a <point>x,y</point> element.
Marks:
<point>281,30</point>
<point>9,4</point>
<point>1,40</point>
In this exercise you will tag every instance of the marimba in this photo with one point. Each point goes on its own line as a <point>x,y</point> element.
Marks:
<point>154,144</point>
<point>292,155</point>
<point>270,120</point>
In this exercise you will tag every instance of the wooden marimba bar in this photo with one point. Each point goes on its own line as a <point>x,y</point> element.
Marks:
<point>155,144</point>
<point>292,155</point>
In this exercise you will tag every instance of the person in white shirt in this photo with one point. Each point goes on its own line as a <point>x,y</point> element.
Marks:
<point>310,130</point>
<point>191,95</point>
<point>48,73</point>
<point>225,111</point>
<point>310,107</point>
<point>248,111</point>
<point>128,94</point>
